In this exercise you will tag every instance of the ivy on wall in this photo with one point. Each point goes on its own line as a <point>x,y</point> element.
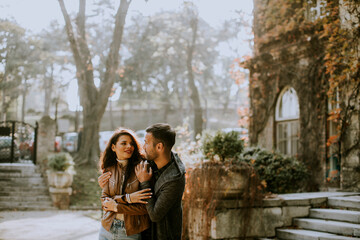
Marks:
<point>313,47</point>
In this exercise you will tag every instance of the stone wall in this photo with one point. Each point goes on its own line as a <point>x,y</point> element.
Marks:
<point>45,141</point>
<point>350,158</point>
<point>229,221</point>
<point>270,73</point>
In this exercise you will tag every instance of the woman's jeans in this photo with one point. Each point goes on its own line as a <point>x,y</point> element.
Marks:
<point>117,232</point>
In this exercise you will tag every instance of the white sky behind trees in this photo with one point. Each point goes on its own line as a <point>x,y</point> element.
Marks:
<point>36,15</point>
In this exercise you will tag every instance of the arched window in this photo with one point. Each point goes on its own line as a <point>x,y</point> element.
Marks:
<point>287,122</point>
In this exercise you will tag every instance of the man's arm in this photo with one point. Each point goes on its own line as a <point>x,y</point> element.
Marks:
<point>169,194</point>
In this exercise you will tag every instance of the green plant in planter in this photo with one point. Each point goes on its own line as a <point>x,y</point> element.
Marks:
<point>222,145</point>
<point>61,162</point>
<point>282,174</point>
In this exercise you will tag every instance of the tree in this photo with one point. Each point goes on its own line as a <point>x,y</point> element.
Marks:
<point>92,99</point>
<point>13,45</point>
<point>54,59</point>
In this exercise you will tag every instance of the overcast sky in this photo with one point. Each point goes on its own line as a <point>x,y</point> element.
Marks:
<point>35,15</point>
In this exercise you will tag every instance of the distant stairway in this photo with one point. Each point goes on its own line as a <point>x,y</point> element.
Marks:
<point>341,221</point>
<point>23,188</point>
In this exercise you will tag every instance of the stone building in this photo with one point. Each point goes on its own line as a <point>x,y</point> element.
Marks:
<point>291,108</point>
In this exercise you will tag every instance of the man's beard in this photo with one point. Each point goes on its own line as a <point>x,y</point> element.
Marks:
<point>151,157</point>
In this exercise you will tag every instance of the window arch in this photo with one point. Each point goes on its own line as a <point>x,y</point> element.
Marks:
<point>287,122</point>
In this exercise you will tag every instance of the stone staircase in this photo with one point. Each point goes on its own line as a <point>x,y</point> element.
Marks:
<point>340,221</point>
<point>23,188</point>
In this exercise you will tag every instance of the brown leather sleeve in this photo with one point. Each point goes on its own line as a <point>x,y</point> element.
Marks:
<point>104,194</point>
<point>120,199</point>
<point>132,209</point>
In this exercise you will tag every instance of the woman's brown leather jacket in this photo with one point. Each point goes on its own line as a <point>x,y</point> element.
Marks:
<point>135,215</point>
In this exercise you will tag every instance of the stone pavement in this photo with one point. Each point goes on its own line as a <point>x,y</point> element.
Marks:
<point>55,225</point>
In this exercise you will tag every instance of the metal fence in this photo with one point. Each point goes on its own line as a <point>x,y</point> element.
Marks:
<point>18,141</point>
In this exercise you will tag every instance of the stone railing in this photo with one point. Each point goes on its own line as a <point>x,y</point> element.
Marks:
<point>262,221</point>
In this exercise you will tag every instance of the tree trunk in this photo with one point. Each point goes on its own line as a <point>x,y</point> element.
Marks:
<point>112,124</point>
<point>89,149</point>
<point>93,100</point>
<point>194,93</point>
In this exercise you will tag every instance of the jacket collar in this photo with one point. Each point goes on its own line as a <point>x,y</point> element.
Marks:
<point>175,171</point>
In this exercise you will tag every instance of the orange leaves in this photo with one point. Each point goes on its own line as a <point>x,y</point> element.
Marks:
<point>237,69</point>
<point>263,183</point>
<point>334,115</point>
<point>243,113</point>
<point>331,140</point>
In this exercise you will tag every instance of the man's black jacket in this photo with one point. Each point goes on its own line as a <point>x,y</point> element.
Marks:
<point>164,207</point>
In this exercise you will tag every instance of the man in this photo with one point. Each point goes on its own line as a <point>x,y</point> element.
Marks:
<point>166,178</point>
<point>164,208</point>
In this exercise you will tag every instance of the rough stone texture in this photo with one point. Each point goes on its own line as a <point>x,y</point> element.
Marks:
<point>262,222</point>
<point>266,136</point>
<point>60,197</point>
<point>228,223</point>
<point>350,159</point>
<point>279,63</point>
<point>45,142</point>
<point>294,211</point>
<point>197,225</point>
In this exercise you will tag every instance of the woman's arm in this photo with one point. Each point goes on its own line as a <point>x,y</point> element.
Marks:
<point>110,204</point>
<point>135,197</point>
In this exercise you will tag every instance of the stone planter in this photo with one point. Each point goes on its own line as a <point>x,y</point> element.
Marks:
<point>60,197</point>
<point>231,185</point>
<point>59,179</point>
<point>224,182</point>
<point>60,188</point>
<point>208,186</point>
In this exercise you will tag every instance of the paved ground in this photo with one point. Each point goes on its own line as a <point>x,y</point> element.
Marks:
<point>55,225</point>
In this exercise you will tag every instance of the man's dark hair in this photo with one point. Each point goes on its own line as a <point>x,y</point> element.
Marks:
<point>163,133</point>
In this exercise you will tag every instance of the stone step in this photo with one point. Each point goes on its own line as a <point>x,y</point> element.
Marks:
<point>336,214</point>
<point>27,206</point>
<point>30,192</point>
<point>23,181</point>
<point>25,198</point>
<point>23,189</point>
<point>18,167</point>
<point>336,227</point>
<point>351,202</point>
<point>2,170</point>
<point>300,234</point>
<point>22,204</point>
<point>18,174</point>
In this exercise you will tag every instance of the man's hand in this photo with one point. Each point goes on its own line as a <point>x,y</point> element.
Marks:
<point>109,204</point>
<point>142,172</point>
<point>103,179</point>
<point>140,196</point>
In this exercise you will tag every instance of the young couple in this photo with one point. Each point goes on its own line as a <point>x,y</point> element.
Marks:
<point>141,195</point>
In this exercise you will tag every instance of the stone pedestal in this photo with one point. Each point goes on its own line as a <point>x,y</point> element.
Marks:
<point>45,141</point>
<point>60,197</point>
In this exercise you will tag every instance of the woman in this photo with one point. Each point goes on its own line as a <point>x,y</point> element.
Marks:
<point>125,214</point>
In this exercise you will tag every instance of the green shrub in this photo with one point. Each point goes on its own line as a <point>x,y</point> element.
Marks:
<point>282,174</point>
<point>222,145</point>
<point>60,162</point>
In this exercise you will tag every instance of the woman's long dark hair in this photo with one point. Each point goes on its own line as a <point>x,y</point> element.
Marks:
<point>108,157</point>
